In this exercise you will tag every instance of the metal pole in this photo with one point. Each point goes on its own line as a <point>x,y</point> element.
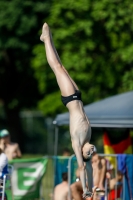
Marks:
<point>115,176</point>
<point>55,152</point>
<point>3,187</point>
<point>56,141</point>
<point>50,145</point>
<point>106,191</point>
<point>69,175</point>
<point>124,196</point>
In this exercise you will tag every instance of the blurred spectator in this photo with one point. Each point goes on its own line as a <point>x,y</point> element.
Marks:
<point>66,152</point>
<point>61,190</point>
<point>2,144</point>
<point>101,168</point>
<point>76,188</point>
<point>99,172</point>
<point>115,184</point>
<point>3,170</point>
<point>3,164</point>
<point>11,149</point>
<point>77,191</point>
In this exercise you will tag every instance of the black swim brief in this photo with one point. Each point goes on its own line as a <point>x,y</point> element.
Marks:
<point>86,159</point>
<point>75,96</point>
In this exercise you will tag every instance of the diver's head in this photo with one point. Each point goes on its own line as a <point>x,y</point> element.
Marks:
<point>87,151</point>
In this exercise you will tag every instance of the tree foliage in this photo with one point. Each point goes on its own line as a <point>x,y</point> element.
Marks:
<point>19,25</point>
<point>94,41</point>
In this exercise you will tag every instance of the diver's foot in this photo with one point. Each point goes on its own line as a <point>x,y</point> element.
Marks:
<point>45,32</point>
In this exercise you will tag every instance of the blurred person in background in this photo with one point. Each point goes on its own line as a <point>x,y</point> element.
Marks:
<point>61,190</point>
<point>66,152</point>
<point>99,172</point>
<point>11,149</point>
<point>115,186</point>
<point>76,189</point>
<point>3,170</point>
<point>2,143</point>
<point>116,181</point>
<point>3,164</point>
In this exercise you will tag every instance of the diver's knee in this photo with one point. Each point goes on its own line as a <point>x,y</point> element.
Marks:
<point>58,66</point>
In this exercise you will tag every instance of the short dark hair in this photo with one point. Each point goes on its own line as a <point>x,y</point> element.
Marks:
<point>64,176</point>
<point>66,149</point>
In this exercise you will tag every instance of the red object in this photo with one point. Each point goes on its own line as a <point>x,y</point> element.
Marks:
<point>112,194</point>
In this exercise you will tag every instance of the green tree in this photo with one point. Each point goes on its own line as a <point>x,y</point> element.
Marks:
<point>19,25</point>
<point>94,41</point>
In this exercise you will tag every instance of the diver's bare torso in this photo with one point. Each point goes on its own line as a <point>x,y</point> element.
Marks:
<point>80,129</point>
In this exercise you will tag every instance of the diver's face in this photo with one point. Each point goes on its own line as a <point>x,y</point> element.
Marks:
<point>87,151</point>
<point>86,155</point>
<point>6,139</point>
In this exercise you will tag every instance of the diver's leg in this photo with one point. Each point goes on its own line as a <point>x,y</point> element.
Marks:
<point>75,85</point>
<point>63,79</point>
